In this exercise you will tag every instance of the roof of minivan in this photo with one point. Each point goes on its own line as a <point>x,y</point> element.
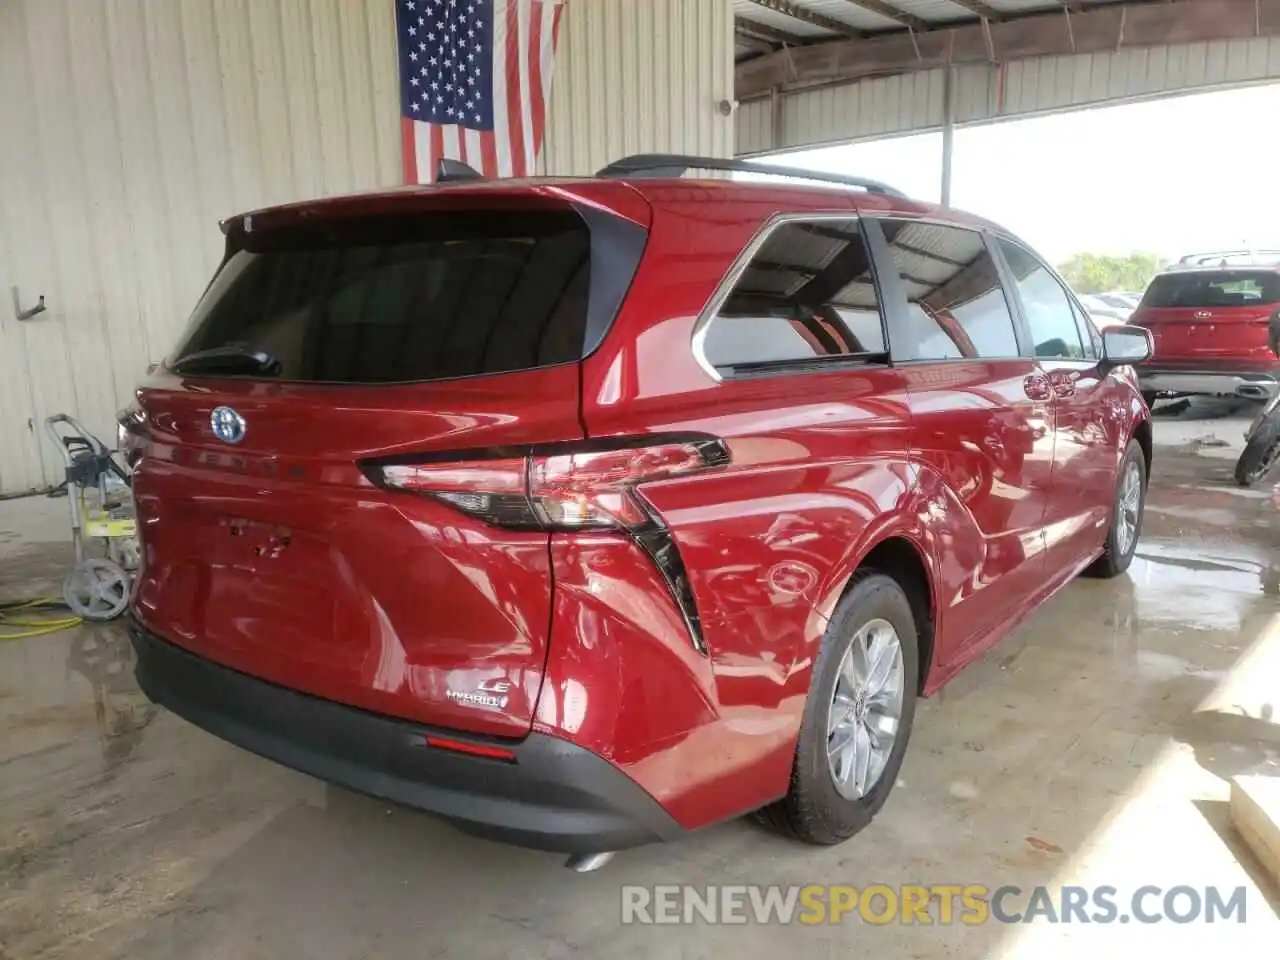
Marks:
<point>785,195</point>
<point>1180,271</point>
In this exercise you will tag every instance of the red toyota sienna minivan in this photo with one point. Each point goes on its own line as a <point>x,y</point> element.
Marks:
<point>586,512</point>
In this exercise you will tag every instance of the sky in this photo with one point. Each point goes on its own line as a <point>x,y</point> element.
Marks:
<point>1168,177</point>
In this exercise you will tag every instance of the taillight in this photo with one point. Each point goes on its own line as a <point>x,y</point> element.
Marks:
<point>588,485</point>
<point>570,487</point>
<point>131,435</point>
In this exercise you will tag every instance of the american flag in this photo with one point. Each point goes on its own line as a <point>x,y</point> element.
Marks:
<point>475,80</point>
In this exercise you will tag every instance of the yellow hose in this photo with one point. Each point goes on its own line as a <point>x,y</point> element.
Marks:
<point>11,616</point>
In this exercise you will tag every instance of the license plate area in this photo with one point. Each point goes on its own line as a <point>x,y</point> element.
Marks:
<point>253,545</point>
<point>271,583</point>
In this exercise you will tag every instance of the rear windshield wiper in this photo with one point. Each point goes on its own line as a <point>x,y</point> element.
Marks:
<point>231,359</point>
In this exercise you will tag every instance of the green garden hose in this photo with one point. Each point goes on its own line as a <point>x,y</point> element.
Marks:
<point>35,617</point>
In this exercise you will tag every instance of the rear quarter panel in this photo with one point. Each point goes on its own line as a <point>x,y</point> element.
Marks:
<point>818,468</point>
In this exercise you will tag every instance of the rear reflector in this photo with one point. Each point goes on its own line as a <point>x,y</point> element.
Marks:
<point>475,749</point>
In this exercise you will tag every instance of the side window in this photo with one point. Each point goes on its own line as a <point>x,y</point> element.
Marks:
<point>808,292</point>
<point>1088,333</point>
<point>956,308</point>
<point>1050,313</point>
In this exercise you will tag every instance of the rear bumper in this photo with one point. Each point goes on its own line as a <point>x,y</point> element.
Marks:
<point>555,796</point>
<point>1255,386</point>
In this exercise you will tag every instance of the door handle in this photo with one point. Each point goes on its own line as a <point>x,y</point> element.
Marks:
<point>1036,386</point>
<point>1063,383</point>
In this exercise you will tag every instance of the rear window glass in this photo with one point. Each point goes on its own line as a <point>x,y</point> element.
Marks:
<point>385,300</point>
<point>1220,288</point>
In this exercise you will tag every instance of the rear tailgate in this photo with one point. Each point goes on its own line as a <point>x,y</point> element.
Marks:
<point>267,548</point>
<point>1212,318</point>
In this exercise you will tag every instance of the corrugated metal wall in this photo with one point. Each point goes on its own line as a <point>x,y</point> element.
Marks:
<point>131,127</point>
<point>637,76</point>
<point>914,102</point>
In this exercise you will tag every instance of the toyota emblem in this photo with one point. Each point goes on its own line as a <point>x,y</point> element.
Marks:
<point>228,426</point>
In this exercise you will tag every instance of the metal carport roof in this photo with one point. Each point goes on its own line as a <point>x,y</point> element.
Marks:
<point>791,44</point>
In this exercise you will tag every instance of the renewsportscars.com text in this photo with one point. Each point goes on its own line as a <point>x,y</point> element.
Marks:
<point>943,904</point>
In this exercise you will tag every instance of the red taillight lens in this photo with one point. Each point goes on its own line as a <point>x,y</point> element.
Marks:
<point>568,488</point>
<point>494,490</point>
<point>492,476</point>
<point>593,488</point>
<point>131,436</point>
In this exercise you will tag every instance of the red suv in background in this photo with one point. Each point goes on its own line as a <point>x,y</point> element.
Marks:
<point>1209,318</point>
<point>583,513</point>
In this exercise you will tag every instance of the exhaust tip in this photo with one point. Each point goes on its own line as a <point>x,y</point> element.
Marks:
<point>587,862</point>
<point>1252,393</point>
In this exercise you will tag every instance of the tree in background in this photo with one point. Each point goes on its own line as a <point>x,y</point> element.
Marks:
<point>1100,273</point>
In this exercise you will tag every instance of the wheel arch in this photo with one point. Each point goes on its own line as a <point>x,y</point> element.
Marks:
<point>1143,434</point>
<point>897,554</point>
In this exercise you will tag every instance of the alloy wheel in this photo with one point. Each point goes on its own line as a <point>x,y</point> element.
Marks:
<point>865,709</point>
<point>1128,508</point>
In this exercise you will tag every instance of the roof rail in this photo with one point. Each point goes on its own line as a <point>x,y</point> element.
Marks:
<point>677,164</point>
<point>1215,258</point>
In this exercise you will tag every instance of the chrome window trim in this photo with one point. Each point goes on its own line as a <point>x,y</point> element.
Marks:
<point>739,267</point>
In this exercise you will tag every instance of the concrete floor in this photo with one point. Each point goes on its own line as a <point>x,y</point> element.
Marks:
<point>1072,753</point>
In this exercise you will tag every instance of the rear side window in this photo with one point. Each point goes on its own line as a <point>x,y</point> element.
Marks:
<point>808,293</point>
<point>956,307</point>
<point>1055,331</point>
<point>1217,288</point>
<point>384,300</point>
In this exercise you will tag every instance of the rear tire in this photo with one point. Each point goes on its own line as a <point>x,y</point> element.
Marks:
<point>1126,515</point>
<point>1260,453</point>
<point>821,807</point>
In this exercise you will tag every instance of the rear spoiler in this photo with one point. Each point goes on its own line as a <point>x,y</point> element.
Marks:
<point>449,171</point>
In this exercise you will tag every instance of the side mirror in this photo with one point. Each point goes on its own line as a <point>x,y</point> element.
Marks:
<point>1126,344</point>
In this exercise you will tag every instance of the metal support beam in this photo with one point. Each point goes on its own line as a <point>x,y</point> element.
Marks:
<point>948,131</point>
<point>756,45</point>
<point>805,15</point>
<point>1102,29</point>
<point>981,9</point>
<point>767,34</point>
<point>890,12</point>
<point>777,134</point>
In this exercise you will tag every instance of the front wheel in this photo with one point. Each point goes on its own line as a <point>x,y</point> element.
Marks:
<point>1260,453</point>
<point>1126,515</point>
<point>857,718</point>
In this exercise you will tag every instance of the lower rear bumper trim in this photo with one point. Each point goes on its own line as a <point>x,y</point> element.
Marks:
<point>555,796</point>
<point>1257,386</point>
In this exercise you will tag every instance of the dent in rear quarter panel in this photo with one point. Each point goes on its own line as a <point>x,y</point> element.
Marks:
<point>623,679</point>
<point>818,462</point>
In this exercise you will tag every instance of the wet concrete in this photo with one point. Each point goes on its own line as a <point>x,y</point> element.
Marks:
<point>1073,753</point>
